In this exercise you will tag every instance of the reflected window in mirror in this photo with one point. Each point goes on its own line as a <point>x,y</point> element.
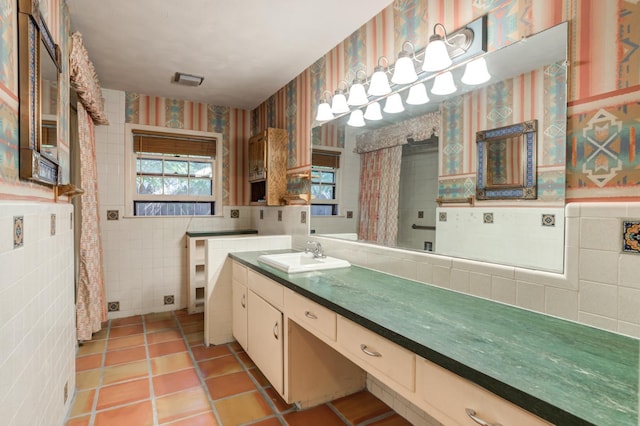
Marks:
<point>507,162</point>
<point>325,178</point>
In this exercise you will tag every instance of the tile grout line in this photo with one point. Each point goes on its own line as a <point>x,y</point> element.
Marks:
<point>94,406</point>
<point>197,368</point>
<point>152,396</point>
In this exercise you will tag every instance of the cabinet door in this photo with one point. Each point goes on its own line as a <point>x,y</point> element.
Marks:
<point>265,340</point>
<point>239,309</point>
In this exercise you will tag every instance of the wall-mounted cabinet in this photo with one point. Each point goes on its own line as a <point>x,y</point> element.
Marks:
<point>268,167</point>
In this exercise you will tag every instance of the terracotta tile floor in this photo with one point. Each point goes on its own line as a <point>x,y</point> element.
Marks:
<point>154,370</point>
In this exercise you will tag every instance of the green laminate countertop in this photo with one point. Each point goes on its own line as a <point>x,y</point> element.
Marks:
<point>221,233</point>
<point>564,372</point>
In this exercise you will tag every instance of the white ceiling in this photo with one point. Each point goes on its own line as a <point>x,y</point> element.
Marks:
<point>245,49</point>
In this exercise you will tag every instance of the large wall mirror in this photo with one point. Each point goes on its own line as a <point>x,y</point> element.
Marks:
<point>438,210</point>
<point>39,68</point>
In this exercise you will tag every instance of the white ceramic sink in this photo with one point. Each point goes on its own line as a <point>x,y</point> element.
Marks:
<point>301,262</point>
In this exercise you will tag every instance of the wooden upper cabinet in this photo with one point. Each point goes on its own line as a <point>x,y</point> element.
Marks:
<point>268,166</point>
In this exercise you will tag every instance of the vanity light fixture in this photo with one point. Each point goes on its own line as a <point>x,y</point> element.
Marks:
<point>373,112</point>
<point>324,109</point>
<point>436,56</point>
<point>404,71</point>
<point>357,94</point>
<point>379,82</point>
<point>339,101</point>
<point>476,72</point>
<point>356,119</point>
<point>417,95</point>
<point>443,84</point>
<point>188,79</point>
<point>393,104</point>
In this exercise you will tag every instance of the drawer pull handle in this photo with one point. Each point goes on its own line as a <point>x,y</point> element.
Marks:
<point>472,414</point>
<point>275,330</point>
<point>366,350</point>
<point>310,314</point>
<point>242,301</point>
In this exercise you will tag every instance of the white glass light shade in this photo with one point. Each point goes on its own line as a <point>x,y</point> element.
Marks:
<point>436,56</point>
<point>379,83</point>
<point>443,84</point>
<point>405,71</point>
<point>393,104</point>
<point>418,95</point>
<point>339,104</point>
<point>324,112</point>
<point>373,112</point>
<point>476,72</point>
<point>357,95</point>
<point>356,119</point>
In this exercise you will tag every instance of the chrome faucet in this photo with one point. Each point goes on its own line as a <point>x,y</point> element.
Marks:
<point>316,249</point>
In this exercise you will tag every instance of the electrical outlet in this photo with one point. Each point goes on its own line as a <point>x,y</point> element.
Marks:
<point>420,214</point>
<point>279,215</point>
<point>169,300</point>
<point>303,217</point>
<point>261,214</point>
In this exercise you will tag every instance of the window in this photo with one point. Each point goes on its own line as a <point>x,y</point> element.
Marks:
<point>172,174</point>
<point>324,182</point>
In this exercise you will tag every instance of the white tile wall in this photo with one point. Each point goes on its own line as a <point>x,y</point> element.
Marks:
<point>37,315</point>
<point>600,285</point>
<point>144,258</point>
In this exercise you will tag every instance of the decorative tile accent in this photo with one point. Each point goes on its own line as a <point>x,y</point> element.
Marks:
<point>303,217</point>
<point>420,214</point>
<point>279,215</point>
<point>113,215</point>
<point>235,213</point>
<point>261,214</point>
<point>349,214</point>
<point>18,231</point>
<point>631,236</point>
<point>548,220</point>
<point>53,224</point>
<point>442,216</point>
<point>169,300</point>
<point>487,217</point>
<point>113,306</point>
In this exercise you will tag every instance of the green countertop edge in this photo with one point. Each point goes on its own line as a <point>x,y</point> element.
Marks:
<point>221,233</point>
<point>536,405</point>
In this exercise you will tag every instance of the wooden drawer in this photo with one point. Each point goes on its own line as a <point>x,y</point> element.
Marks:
<point>270,290</point>
<point>452,395</point>
<point>310,315</point>
<point>385,357</point>
<point>239,272</point>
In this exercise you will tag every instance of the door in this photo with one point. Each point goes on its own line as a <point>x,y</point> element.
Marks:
<point>265,340</point>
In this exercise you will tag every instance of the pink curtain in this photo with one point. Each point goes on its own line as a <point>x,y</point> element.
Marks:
<point>90,304</point>
<point>379,192</point>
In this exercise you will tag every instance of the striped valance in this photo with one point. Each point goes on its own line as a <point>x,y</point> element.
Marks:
<point>417,128</point>
<point>84,80</point>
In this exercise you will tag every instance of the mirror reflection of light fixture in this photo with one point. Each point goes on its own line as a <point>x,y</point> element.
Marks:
<point>417,95</point>
<point>379,85</point>
<point>443,84</point>
<point>393,104</point>
<point>339,101</point>
<point>476,72</point>
<point>356,119</point>
<point>357,94</point>
<point>436,56</point>
<point>324,109</point>
<point>373,112</point>
<point>404,71</point>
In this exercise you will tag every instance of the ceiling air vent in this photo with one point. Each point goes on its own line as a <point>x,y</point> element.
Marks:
<point>188,79</point>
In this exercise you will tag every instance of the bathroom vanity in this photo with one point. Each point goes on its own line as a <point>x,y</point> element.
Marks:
<point>453,355</point>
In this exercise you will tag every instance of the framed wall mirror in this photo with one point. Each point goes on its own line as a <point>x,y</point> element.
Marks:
<point>507,162</point>
<point>39,68</point>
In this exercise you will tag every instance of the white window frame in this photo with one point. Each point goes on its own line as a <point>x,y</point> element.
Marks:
<point>336,199</point>
<point>130,158</point>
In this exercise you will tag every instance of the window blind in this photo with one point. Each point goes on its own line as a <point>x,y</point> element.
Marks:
<point>167,143</point>
<point>324,158</point>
